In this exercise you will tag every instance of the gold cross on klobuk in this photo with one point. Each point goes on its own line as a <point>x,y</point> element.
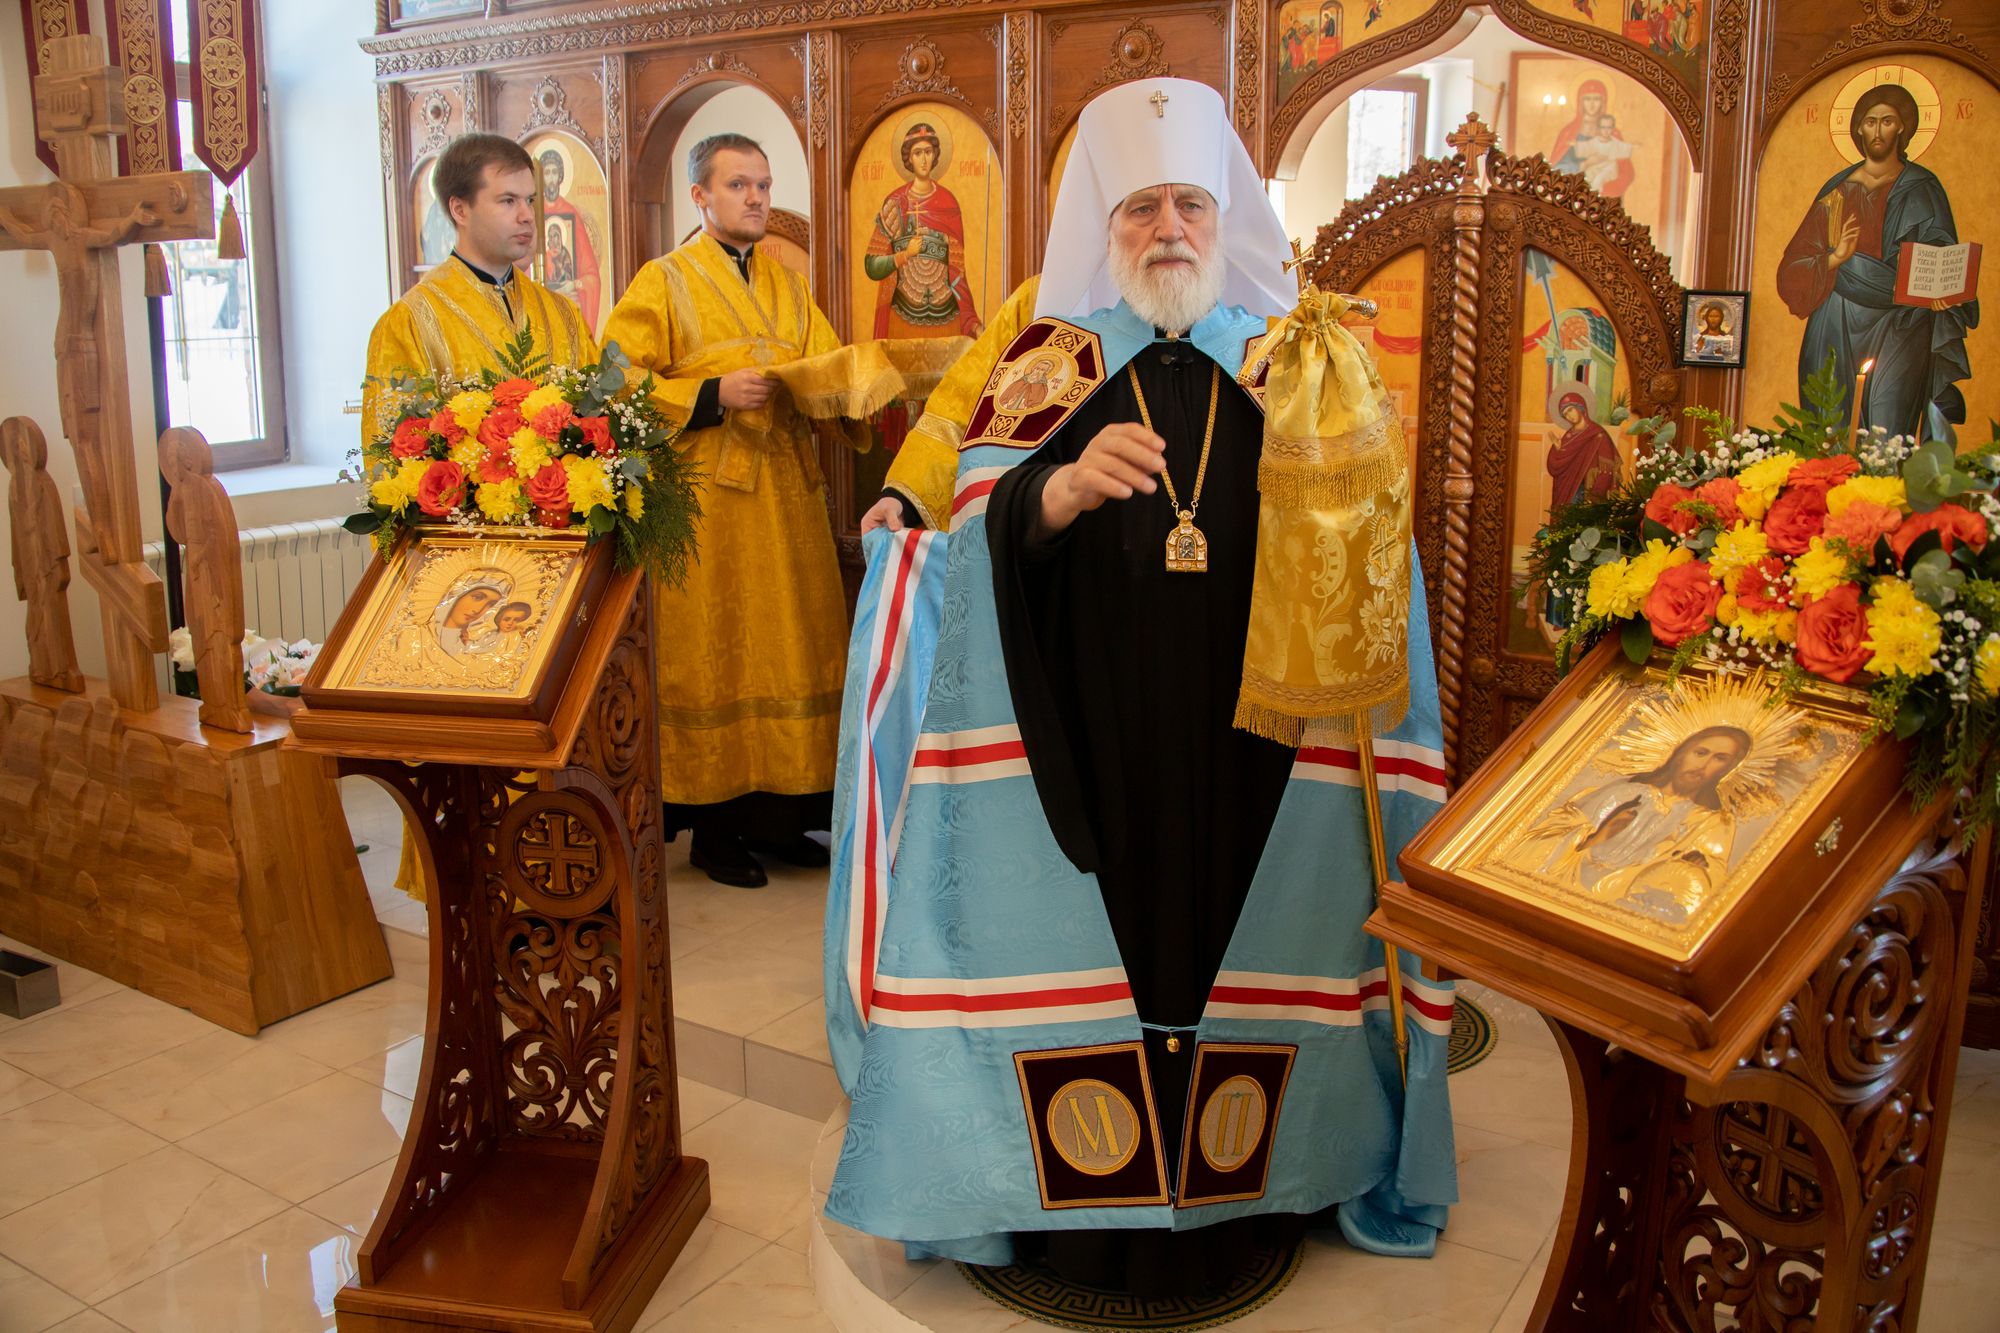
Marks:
<point>81,219</point>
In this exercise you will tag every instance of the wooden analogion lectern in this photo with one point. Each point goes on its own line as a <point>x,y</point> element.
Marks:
<point>1753,952</point>
<point>541,1184</point>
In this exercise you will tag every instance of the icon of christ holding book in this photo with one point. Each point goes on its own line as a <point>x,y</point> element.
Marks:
<point>1847,273</point>
<point>917,250</point>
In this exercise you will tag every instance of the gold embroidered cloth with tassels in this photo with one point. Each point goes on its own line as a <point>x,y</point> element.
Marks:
<point>1327,654</point>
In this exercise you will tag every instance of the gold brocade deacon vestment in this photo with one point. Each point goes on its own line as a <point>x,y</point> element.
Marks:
<point>752,647</point>
<point>455,324</point>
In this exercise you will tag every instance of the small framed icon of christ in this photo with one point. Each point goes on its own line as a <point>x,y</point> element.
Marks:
<point>1713,327</point>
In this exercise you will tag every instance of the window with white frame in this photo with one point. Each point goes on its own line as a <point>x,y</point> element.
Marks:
<point>1385,131</point>
<point>217,357</point>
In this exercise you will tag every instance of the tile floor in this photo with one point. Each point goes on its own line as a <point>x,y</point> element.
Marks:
<point>158,1173</point>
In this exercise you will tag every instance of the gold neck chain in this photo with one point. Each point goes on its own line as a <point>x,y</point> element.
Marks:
<point>1187,547</point>
<point>1207,439</point>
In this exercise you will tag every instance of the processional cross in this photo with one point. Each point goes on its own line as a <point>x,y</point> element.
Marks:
<point>81,219</point>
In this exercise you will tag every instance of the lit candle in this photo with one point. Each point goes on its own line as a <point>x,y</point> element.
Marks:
<point>1854,415</point>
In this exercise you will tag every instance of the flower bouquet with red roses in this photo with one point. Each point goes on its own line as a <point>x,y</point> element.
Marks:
<point>537,446</point>
<point>1868,561</point>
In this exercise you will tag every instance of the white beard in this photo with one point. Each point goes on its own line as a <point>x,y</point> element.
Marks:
<point>1174,299</point>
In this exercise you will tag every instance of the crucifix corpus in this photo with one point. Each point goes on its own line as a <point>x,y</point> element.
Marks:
<point>81,219</point>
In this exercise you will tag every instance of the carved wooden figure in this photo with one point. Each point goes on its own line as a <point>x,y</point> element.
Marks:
<point>200,517</point>
<point>40,545</point>
<point>80,220</point>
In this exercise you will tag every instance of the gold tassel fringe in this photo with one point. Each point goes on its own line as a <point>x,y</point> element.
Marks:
<point>158,281</point>
<point>229,231</point>
<point>1299,474</point>
<point>1274,723</point>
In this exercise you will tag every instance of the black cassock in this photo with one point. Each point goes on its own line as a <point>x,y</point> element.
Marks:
<point>1124,678</point>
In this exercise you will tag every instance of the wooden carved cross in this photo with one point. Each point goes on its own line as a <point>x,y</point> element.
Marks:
<point>80,220</point>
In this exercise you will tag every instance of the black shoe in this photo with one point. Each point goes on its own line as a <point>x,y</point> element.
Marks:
<point>797,850</point>
<point>724,859</point>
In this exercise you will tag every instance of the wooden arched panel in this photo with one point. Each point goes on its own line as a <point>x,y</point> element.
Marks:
<point>657,178</point>
<point>1474,217</point>
<point>1400,37</point>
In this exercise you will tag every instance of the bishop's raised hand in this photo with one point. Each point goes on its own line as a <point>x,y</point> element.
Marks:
<point>1123,460</point>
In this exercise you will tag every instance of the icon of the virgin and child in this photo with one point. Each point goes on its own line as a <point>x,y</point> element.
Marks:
<point>476,616</point>
<point>1694,780</point>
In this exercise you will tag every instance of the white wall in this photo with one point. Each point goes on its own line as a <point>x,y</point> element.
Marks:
<point>333,263</point>
<point>27,361</point>
<point>744,110</point>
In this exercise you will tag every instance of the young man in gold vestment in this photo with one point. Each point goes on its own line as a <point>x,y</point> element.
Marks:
<point>754,644</point>
<point>474,303</point>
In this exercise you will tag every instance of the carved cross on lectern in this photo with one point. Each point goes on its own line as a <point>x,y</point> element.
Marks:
<point>80,220</point>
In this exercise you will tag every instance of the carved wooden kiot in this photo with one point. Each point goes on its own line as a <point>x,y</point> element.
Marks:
<point>1756,1133</point>
<point>1473,216</point>
<point>541,1182</point>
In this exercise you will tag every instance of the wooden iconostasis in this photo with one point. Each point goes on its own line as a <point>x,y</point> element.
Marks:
<point>1532,303</point>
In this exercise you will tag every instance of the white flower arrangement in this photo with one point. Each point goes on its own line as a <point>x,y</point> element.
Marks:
<point>270,665</point>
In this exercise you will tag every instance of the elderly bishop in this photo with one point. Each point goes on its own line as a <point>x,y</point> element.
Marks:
<point>1097,982</point>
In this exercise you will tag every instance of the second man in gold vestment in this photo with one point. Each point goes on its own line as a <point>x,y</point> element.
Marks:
<point>752,647</point>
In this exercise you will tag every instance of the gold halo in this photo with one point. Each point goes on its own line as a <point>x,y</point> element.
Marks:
<point>441,576</point>
<point>1779,734</point>
<point>938,127</point>
<point>1930,107</point>
<point>551,141</point>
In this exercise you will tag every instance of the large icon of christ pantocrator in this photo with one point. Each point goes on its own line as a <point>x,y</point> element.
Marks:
<point>1838,273</point>
<point>916,252</point>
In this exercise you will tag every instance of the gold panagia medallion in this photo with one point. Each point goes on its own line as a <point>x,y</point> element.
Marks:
<point>1187,547</point>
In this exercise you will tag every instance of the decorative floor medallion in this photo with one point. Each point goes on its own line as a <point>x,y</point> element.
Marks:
<point>1473,1036</point>
<point>1040,1294</point>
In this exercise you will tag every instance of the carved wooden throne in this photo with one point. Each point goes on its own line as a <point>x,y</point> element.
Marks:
<point>1473,219</point>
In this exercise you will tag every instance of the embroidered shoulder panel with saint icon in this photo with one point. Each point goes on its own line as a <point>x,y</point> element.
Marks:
<point>1046,373</point>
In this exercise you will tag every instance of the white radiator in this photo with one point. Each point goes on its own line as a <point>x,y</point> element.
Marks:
<point>296,578</point>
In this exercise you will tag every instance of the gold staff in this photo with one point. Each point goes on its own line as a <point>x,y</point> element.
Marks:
<point>1378,852</point>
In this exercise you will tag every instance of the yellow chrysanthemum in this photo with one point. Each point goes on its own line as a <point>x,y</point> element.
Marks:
<point>635,501</point>
<point>1649,564</point>
<point>1894,594</point>
<point>1986,665</point>
<point>467,452</point>
<point>468,409</point>
<point>1788,627</point>
<point>1761,482</point>
<point>1819,571</point>
<point>500,500</point>
<point>1767,474</point>
<point>396,486</point>
<point>1903,633</point>
<point>1885,491</point>
<point>546,396</point>
<point>1726,609</point>
<point>1760,626</point>
<point>589,486</point>
<point>1606,583</point>
<point>531,451</point>
<point>1737,549</point>
<point>1619,589</point>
